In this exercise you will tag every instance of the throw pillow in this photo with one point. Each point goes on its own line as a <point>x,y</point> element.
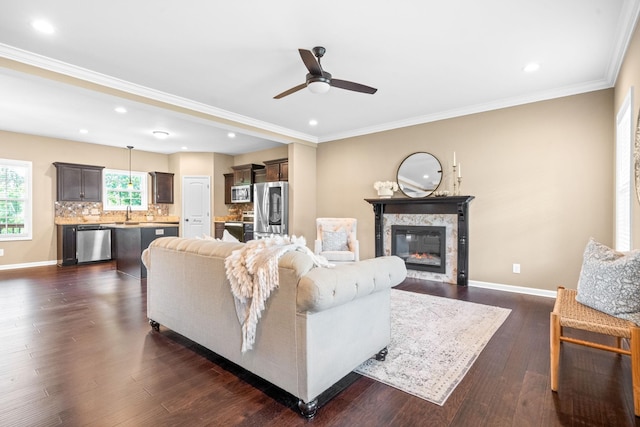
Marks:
<point>610,281</point>
<point>228,237</point>
<point>334,241</point>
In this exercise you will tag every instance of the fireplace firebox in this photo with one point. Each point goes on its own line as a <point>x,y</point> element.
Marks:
<point>421,247</point>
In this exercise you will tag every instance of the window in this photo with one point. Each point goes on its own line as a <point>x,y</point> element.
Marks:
<point>15,200</point>
<point>117,194</point>
<point>624,132</point>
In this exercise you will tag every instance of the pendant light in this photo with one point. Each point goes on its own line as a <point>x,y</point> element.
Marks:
<point>130,184</point>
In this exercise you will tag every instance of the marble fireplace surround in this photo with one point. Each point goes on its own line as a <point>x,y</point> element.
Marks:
<point>449,212</point>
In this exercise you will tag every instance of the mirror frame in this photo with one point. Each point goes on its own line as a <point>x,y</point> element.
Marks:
<point>636,158</point>
<point>413,157</point>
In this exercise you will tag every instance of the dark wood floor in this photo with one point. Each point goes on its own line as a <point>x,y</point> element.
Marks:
<point>76,350</point>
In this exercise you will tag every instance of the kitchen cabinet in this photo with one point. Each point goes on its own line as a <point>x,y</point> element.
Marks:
<point>245,174</point>
<point>218,228</point>
<point>259,176</point>
<point>78,183</point>
<point>162,186</point>
<point>228,183</point>
<point>131,240</point>
<point>247,229</point>
<point>66,244</point>
<point>277,170</point>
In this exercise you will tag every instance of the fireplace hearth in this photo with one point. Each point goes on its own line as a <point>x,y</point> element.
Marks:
<point>421,247</point>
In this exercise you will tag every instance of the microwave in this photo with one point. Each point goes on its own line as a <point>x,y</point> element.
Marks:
<point>241,194</point>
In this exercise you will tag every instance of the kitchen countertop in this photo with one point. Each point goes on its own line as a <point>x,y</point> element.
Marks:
<point>138,224</point>
<point>158,220</point>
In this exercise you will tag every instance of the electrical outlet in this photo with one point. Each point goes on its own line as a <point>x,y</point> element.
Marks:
<point>516,268</point>
<point>1,252</point>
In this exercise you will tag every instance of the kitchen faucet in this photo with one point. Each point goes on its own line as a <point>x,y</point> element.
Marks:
<point>128,215</point>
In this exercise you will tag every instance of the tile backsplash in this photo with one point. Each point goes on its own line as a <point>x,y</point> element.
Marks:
<point>85,209</point>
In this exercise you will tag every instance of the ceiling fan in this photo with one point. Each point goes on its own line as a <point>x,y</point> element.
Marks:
<point>318,80</point>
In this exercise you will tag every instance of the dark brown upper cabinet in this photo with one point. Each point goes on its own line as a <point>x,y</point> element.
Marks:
<point>228,183</point>
<point>245,174</point>
<point>162,185</point>
<point>277,170</point>
<point>78,183</point>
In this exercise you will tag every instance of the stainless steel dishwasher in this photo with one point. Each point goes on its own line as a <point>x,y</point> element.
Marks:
<point>93,243</point>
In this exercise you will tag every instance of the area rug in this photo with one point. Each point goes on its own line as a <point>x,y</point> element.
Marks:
<point>434,342</point>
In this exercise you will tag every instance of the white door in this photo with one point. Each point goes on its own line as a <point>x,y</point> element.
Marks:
<point>196,206</point>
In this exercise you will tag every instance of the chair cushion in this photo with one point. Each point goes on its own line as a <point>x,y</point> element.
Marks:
<point>610,281</point>
<point>334,241</point>
<point>338,255</point>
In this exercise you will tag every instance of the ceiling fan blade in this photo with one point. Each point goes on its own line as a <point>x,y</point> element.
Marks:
<point>357,87</point>
<point>310,62</point>
<point>290,91</point>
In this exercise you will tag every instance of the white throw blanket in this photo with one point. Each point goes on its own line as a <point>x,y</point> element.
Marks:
<point>253,274</point>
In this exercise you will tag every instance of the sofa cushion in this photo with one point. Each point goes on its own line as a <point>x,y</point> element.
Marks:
<point>324,288</point>
<point>610,281</point>
<point>334,241</point>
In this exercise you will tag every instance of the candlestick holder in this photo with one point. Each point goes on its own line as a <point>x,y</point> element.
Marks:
<point>458,187</point>
<point>455,186</point>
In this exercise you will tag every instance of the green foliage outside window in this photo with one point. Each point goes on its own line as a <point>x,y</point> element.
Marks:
<point>118,193</point>
<point>13,200</point>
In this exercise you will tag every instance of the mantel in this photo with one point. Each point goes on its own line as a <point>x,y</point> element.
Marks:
<point>457,205</point>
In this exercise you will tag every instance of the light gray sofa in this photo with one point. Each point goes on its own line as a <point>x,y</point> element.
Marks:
<point>318,325</point>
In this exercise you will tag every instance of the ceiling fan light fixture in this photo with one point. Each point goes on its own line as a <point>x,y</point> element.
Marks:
<point>319,85</point>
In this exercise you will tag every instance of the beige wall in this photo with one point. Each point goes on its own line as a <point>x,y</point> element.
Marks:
<point>541,173</point>
<point>221,164</point>
<point>302,191</point>
<point>42,152</point>
<point>628,77</point>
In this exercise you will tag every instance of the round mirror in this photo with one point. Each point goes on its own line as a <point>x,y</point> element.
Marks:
<point>419,175</point>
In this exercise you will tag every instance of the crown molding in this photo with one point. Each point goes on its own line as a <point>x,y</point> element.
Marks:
<point>473,109</point>
<point>84,74</point>
<point>627,21</point>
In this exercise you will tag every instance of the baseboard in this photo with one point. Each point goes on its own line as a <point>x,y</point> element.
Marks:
<point>514,289</point>
<point>27,265</point>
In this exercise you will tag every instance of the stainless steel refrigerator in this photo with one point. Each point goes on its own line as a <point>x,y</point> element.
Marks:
<point>271,209</point>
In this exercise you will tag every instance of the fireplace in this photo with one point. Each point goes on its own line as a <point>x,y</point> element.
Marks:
<point>450,213</point>
<point>421,247</point>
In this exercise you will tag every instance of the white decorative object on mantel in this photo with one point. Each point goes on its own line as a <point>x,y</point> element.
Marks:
<point>385,188</point>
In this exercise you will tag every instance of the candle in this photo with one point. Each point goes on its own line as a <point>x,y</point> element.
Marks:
<point>460,170</point>
<point>454,159</point>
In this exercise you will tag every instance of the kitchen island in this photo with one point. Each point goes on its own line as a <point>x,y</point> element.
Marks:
<point>132,238</point>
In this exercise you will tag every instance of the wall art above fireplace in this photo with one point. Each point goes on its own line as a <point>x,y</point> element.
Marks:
<point>411,229</point>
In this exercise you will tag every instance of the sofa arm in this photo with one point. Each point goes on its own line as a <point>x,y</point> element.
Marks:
<point>323,288</point>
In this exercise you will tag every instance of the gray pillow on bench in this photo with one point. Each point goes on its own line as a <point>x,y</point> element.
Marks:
<point>610,281</point>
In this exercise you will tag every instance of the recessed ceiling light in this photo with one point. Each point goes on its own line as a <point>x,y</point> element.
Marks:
<point>184,148</point>
<point>160,134</point>
<point>43,26</point>
<point>83,131</point>
<point>120,110</point>
<point>531,67</point>
<point>313,122</point>
<point>231,135</point>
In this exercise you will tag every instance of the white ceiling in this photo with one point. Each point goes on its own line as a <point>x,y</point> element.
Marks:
<point>211,59</point>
